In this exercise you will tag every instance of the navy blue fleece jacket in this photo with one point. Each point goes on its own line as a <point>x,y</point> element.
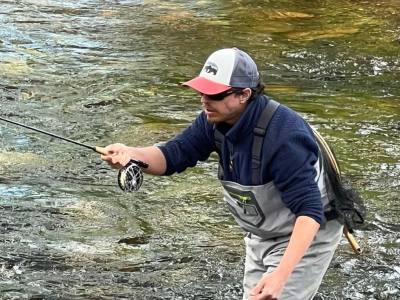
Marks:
<point>288,157</point>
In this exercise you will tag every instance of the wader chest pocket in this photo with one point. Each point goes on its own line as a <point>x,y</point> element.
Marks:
<point>244,206</point>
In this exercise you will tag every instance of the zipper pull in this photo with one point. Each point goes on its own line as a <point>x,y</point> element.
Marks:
<point>231,165</point>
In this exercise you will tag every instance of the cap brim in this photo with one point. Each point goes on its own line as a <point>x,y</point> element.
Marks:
<point>206,86</point>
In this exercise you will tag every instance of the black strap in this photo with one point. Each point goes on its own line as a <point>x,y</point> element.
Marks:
<point>331,215</point>
<point>259,134</point>
<point>219,140</point>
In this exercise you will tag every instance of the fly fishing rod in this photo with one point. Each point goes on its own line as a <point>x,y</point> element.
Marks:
<point>130,177</point>
<point>99,150</point>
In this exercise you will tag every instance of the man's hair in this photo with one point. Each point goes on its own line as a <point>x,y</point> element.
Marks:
<point>257,91</point>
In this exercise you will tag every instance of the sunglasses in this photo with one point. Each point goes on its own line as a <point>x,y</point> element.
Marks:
<point>223,95</point>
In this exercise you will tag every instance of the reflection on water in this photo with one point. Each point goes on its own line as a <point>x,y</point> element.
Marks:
<point>108,71</point>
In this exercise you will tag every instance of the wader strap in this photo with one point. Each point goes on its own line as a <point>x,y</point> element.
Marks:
<point>259,134</point>
<point>219,139</point>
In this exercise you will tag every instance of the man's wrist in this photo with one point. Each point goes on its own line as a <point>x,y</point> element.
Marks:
<point>282,273</point>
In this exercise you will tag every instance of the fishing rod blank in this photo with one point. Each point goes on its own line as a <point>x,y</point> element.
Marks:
<point>99,150</point>
<point>130,177</point>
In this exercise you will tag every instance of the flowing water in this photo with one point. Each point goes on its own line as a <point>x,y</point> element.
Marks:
<point>110,71</point>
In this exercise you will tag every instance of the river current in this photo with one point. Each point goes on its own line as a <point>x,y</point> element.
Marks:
<point>110,71</point>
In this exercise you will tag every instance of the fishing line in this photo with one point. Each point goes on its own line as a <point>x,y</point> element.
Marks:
<point>130,177</point>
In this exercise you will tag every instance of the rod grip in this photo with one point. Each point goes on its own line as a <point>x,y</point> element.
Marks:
<point>100,150</point>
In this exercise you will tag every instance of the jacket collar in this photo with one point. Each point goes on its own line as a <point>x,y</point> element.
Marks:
<point>247,121</point>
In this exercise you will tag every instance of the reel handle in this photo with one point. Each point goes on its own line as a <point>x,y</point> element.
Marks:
<point>140,163</point>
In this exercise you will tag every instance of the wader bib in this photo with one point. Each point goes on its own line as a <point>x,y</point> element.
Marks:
<point>260,211</point>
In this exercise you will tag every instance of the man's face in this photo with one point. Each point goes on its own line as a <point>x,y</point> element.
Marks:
<point>227,110</point>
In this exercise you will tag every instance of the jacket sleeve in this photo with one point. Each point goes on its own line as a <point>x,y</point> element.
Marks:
<point>193,144</point>
<point>293,173</point>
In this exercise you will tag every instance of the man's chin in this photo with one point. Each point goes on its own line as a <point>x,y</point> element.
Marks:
<point>212,120</point>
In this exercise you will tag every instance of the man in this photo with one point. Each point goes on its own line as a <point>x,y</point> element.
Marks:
<point>270,171</point>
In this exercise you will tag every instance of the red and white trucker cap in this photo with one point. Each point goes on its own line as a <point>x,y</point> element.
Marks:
<point>224,69</point>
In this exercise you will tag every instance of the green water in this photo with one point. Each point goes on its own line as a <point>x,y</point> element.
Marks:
<point>110,71</point>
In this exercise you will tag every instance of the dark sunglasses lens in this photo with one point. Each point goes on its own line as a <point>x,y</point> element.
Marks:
<point>220,96</point>
<point>217,97</point>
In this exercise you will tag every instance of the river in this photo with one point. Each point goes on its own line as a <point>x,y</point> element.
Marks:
<point>110,71</point>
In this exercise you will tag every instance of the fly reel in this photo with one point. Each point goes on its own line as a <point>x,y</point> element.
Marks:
<point>130,177</point>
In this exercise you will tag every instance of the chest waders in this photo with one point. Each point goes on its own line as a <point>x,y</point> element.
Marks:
<point>258,208</point>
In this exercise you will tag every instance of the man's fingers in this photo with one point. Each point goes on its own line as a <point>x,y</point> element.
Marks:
<point>105,158</point>
<point>262,297</point>
<point>115,156</point>
<point>124,159</point>
<point>262,292</point>
<point>257,289</point>
<point>114,161</point>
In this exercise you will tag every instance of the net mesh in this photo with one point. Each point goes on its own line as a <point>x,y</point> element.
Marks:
<point>345,199</point>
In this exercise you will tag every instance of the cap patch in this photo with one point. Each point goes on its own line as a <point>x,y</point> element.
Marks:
<point>211,67</point>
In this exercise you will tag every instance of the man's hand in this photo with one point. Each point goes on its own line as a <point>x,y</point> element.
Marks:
<point>269,287</point>
<point>117,155</point>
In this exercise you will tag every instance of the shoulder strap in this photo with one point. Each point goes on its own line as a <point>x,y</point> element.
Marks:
<point>259,133</point>
<point>219,140</point>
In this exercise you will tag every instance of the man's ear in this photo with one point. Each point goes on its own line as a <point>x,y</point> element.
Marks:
<point>245,95</point>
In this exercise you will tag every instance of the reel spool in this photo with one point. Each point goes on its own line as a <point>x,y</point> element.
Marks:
<point>130,177</point>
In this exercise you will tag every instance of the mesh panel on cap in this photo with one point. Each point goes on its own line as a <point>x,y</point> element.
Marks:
<point>245,73</point>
